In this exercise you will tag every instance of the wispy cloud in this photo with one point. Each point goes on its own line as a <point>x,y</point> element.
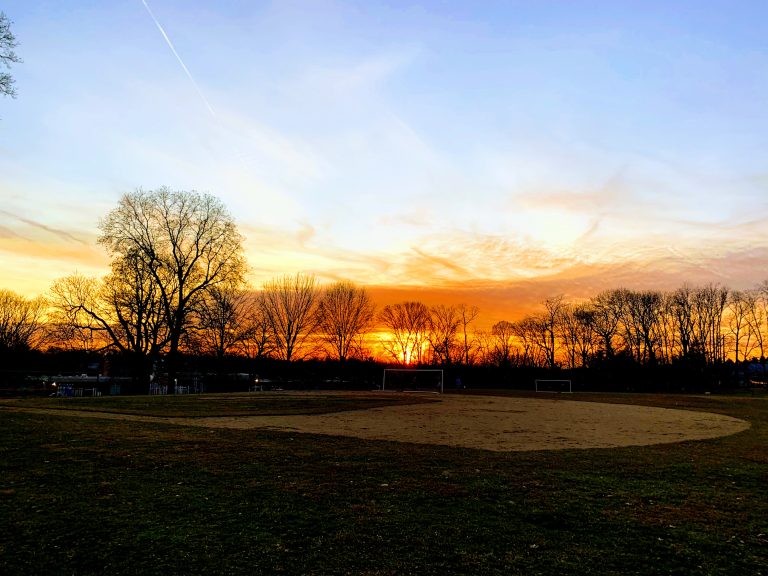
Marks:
<point>40,226</point>
<point>512,299</point>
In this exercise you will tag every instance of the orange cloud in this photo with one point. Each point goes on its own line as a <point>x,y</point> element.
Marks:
<point>513,299</point>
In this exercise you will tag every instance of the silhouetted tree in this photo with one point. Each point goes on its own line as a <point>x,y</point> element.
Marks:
<point>220,320</point>
<point>289,305</point>
<point>643,312</point>
<point>756,319</point>
<point>21,322</point>
<point>345,312</point>
<point>407,323</point>
<point>444,323</point>
<point>531,336</point>
<point>607,307</point>
<point>187,241</point>
<point>123,311</point>
<point>467,315</point>
<point>738,308</point>
<point>550,322</point>
<point>577,333</point>
<point>257,342</point>
<point>503,333</point>
<point>709,302</point>
<point>682,309</point>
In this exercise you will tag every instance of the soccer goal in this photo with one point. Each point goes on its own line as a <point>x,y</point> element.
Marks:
<point>554,386</point>
<point>412,380</point>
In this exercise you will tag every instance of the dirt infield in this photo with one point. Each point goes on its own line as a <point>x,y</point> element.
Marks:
<point>507,424</point>
<point>490,423</point>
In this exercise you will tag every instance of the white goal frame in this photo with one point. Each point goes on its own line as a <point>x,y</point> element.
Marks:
<point>570,386</point>
<point>384,379</point>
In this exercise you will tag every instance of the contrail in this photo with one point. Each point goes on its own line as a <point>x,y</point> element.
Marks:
<point>184,67</point>
<point>57,231</point>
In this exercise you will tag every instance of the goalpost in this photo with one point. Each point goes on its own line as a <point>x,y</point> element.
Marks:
<point>412,380</point>
<point>553,386</point>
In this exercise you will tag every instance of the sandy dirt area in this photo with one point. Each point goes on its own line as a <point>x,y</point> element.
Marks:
<point>490,423</point>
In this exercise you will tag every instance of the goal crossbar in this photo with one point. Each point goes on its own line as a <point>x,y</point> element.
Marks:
<point>433,370</point>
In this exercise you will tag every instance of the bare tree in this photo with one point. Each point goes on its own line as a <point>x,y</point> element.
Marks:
<point>577,333</point>
<point>467,315</point>
<point>483,348</point>
<point>640,319</point>
<point>75,323</point>
<point>683,312</point>
<point>407,323</point>
<point>123,311</point>
<point>257,342</point>
<point>444,323</point>
<point>187,241</point>
<point>133,297</point>
<point>522,337</point>
<point>738,309</point>
<point>569,335</point>
<point>21,322</point>
<point>503,333</point>
<point>7,56</point>
<point>533,339</point>
<point>667,332</point>
<point>289,305</point>
<point>709,303</point>
<point>550,326</point>
<point>221,320</point>
<point>345,312</point>
<point>607,306</point>
<point>756,318</point>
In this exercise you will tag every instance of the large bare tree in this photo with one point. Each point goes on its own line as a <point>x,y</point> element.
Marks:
<point>21,321</point>
<point>345,312</point>
<point>289,304</point>
<point>188,243</point>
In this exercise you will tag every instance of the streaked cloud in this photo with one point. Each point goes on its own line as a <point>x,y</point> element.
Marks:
<point>34,224</point>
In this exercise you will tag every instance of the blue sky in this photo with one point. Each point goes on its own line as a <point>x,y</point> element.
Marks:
<point>401,143</point>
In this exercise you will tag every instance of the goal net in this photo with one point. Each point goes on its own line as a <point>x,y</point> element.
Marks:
<point>553,386</point>
<point>412,380</point>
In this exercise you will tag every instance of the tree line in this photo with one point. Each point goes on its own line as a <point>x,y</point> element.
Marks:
<point>177,285</point>
<point>710,324</point>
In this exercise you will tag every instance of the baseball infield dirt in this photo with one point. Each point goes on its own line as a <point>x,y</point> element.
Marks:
<point>491,423</point>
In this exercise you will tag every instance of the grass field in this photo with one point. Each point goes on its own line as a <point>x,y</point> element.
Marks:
<point>89,496</point>
<point>210,405</point>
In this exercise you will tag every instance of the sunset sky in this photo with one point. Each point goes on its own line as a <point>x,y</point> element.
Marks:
<point>494,153</point>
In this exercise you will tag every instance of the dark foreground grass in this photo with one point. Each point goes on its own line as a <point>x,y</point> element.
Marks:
<point>207,405</point>
<point>85,496</point>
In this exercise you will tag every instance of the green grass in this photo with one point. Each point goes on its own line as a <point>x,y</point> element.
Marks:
<point>86,496</point>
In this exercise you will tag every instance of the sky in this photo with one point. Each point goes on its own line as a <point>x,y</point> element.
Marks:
<point>493,153</point>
